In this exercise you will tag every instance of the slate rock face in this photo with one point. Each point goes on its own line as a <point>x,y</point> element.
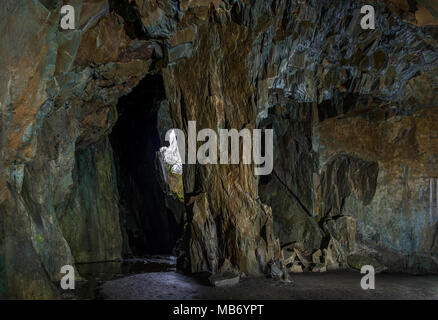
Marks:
<point>95,235</point>
<point>347,118</point>
<point>353,111</point>
<point>53,107</point>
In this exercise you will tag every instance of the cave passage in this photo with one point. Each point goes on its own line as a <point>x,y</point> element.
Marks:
<point>149,226</point>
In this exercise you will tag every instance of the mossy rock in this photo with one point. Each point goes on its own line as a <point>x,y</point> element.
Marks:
<point>357,261</point>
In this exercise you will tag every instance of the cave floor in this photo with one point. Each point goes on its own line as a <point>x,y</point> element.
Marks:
<point>155,278</point>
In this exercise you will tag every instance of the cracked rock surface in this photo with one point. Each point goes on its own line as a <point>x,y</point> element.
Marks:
<point>354,113</point>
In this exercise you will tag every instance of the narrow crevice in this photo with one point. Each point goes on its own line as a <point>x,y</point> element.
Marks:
<point>149,225</point>
<point>292,194</point>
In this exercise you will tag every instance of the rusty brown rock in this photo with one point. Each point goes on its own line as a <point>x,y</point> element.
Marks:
<point>354,114</point>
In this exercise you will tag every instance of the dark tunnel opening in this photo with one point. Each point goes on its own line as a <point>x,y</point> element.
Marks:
<point>149,226</point>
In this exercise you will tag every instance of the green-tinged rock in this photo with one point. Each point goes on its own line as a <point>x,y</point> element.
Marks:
<point>343,229</point>
<point>90,220</point>
<point>291,222</point>
<point>357,261</point>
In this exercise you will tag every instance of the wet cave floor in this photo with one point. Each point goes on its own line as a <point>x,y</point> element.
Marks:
<point>155,278</point>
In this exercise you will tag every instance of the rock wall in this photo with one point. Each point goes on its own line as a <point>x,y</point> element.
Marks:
<point>355,134</point>
<point>353,113</point>
<point>58,95</point>
<point>227,220</point>
<point>89,218</point>
<point>309,71</point>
